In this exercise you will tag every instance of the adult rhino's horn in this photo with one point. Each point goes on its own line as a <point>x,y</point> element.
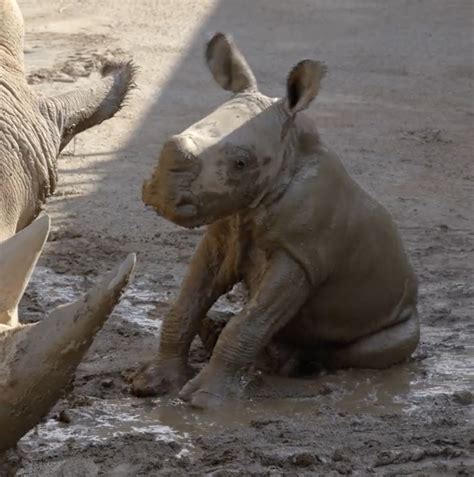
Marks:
<point>18,257</point>
<point>37,362</point>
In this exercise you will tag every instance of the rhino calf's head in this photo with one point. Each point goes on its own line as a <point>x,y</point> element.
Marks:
<point>238,155</point>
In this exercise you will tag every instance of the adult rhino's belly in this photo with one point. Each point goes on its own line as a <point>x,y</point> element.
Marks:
<point>345,312</point>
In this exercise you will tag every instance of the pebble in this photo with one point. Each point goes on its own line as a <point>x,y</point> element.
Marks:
<point>463,397</point>
<point>64,417</point>
<point>304,459</point>
<point>107,383</point>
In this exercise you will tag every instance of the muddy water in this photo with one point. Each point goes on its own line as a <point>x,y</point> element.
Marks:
<point>399,390</point>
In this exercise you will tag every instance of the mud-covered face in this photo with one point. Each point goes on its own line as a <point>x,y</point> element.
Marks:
<point>231,159</point>
<point>220,165</point>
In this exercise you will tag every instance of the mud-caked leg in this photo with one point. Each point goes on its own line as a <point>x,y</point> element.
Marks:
<point>281,293</point>
<point>205,282</point>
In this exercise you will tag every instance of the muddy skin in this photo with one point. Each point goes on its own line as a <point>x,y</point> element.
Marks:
<point>323,261</point>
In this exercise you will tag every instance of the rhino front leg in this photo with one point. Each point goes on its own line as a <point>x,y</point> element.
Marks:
<point>206,280</point>
<point>283,290</point>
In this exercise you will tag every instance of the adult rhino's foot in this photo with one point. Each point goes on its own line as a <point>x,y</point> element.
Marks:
<point>210,388</point>
<point>158,379</point>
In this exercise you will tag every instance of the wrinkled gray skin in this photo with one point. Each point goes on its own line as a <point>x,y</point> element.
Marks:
<point>327,274</point>
<point>34,129</point>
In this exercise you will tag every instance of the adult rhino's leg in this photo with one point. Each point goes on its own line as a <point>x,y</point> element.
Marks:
<point>380,350</point>
<point>282,291</point>
<point>205,282</point>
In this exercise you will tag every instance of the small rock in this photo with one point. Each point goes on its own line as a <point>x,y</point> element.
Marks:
<point>326,389</point>
<point>463,397</point>
<point>341,454</point>
<point>64,416</point>
<point>304,459</point>
<point>441,308</point>
<point>107,383</point>
<point>62,78</point>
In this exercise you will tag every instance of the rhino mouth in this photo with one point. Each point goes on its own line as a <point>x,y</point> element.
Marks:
<point>183,211</point>
<point>185,206</point>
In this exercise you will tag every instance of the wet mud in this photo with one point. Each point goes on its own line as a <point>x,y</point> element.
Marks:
<point>414,417</point>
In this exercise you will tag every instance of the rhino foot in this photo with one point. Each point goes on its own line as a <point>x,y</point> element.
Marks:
<point>155,379</point>
<point>210,388</point>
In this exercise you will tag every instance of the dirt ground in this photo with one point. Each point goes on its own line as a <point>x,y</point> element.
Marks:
<point>397,105</point>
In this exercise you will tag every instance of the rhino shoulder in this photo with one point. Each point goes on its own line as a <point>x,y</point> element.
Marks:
<point>301,220</point>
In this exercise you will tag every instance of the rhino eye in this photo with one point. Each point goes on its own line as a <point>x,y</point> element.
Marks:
<point>239,163</point>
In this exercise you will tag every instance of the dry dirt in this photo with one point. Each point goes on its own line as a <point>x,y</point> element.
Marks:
<point>397,106</point>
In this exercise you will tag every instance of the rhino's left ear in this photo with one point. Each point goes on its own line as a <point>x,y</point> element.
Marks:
<point>303,84</point>
<point>228,65</point>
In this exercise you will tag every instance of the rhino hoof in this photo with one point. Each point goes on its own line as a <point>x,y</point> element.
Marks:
<point>155,380</point>
<point>210,388</point>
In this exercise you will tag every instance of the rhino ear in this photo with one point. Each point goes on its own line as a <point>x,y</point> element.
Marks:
<point>18,257</point>
<point>228,66</point>
<point>303,84</point>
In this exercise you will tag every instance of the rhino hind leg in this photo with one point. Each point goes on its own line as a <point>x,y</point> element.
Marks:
<point>379,350</point>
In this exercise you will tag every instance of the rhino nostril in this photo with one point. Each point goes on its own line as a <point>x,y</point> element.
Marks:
<point>185,205</point>
<point>185,199</point>
<point>177,169</point>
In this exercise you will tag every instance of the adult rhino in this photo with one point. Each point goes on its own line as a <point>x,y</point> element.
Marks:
<point>326,270</point>
<point>38,361</point>
<point>35,129</point>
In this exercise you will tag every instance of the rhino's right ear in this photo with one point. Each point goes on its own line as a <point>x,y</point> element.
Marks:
<point>228,66</point>
<point>303,84</point>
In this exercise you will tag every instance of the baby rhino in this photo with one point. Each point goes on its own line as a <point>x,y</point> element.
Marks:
<point>325,267</point>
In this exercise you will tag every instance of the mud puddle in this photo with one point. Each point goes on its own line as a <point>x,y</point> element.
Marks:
<point>399,390</point>
<point>97,423</point>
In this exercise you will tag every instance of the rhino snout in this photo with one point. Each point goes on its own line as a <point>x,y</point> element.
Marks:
<point>186,202</point>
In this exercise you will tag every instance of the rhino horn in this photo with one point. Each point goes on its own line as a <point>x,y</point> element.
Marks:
<point>37,362</point>
<point>18,257</point>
